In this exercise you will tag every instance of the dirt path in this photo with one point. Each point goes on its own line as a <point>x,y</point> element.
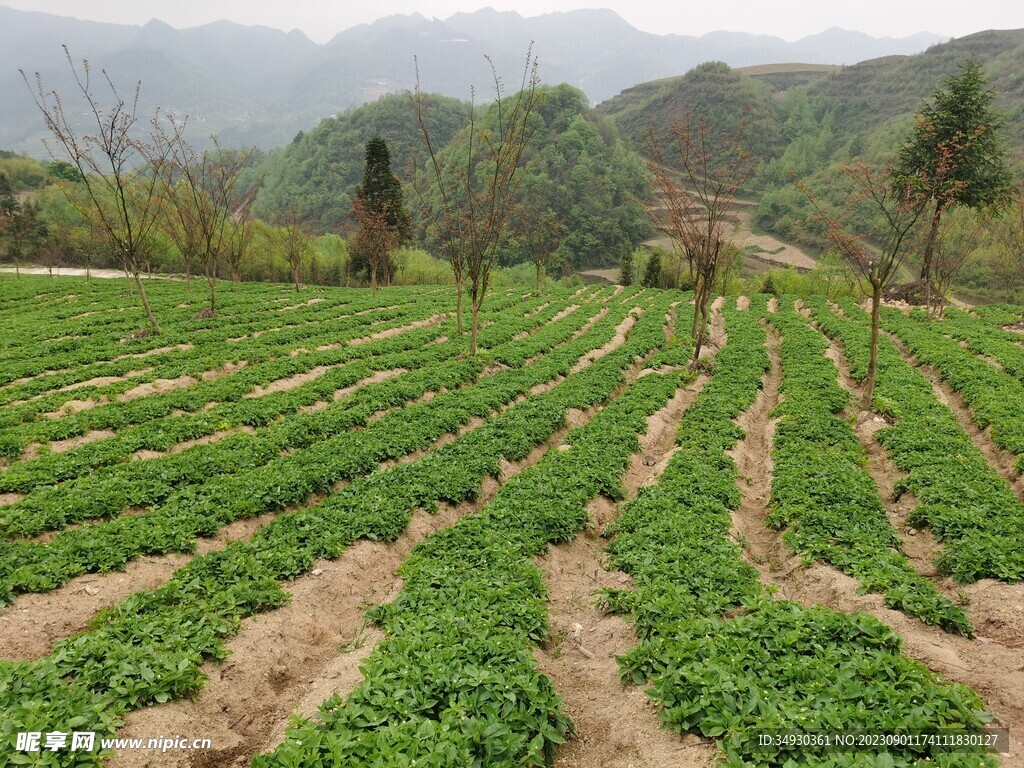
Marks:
<point>920,546</point>
<point>764,248</point>
<point>617,726</point>
<point>762,546</point>
<point>287,662</point>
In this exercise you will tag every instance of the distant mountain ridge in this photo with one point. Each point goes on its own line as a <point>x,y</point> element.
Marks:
<point>255,85</point>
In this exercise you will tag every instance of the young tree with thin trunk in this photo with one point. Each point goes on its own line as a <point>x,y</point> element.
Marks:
<point>896,215</point>
<point>473,182</point>
<point>201,189</point>
<point>955,156</point>
<point>697,171</point>
<point>541,232</point>
<point>241,233</point>
<point>292,242</point>
<point>120,167</point>
<point>179,224</point>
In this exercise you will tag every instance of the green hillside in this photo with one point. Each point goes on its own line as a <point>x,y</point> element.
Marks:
<point>577,168</point>
<point>806,123</point>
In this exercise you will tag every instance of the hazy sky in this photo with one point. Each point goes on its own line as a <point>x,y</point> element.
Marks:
<point>789,19</point>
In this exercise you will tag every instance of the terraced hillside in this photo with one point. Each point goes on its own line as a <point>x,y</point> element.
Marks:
<point>572,550</point>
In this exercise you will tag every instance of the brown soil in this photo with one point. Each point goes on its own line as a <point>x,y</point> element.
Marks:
<point>10,498</point>
<point>290,382</point>
<point>145,455</point>
<point>34,622</point>
<point>773,305</point>
<point>72,407</point>
<point>621,334</point>
<point>376,378</point>
<point>226,370</point>
<point>34,450</point>
<point>762,546</point>
<point>993,670</point>
<point>617,726</point>
<point>742,303</point>
<point>157,351</point>
<point>287,661</point>
<point>717,304</point>
<point>920,546</point>
<point>561,314</point>
<point>101,381</point>
<point>390,332</point>
<point>316,300</point>
<point>156,387</point>
<point>38,620</point>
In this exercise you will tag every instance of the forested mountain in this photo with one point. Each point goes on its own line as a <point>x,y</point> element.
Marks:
<point>317,173</point>
<point>255,85</point>
<point>807,122</point>
<point>576,167</point>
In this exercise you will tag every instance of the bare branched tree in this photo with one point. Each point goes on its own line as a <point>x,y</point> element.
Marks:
<point>201,189</point>
<point>374,239</point>
<point>473,183</point>
<point>953,245</point>
<point>897,215</point>
<point>120,165</point>
<point>697,171</point>
<point>292,242</point>
<point>242,231</point>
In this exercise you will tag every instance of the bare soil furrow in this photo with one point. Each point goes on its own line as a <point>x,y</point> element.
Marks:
<point>286,662</point>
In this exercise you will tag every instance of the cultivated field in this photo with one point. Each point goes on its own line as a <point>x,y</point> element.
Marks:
<point>316,500</point>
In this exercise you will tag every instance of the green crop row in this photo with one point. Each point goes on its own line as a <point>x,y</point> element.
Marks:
<point>143,483</point>
<point>965,502</point>
<point>160,434</point>
<point>455,683</point>
<point>999,314</point>
<point>150,647</point>
<point>95,345</point>
<point>726,661</point>
<point>823,494</point>
<point>982,338</point>
<point>116,415</point>
<point>289,479</point>
<point>256,337</point>
<point>996,399</point>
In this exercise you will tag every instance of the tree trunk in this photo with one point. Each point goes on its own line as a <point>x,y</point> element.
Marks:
<point>869,383</point>
<point>295,277</point>
<point>188,278</point>
<point>145,303</point>
<point>458,306</point>
<point>236,275</point>
<point>700,320</point>
<point>472,328</point>
<point>929,245</point>
<point>213,297</point>
<point>538,265</point>
<point>373,277</point>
